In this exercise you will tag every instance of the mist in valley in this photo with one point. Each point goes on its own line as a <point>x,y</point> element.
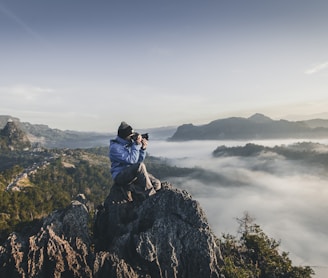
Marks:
<point>287,198</point>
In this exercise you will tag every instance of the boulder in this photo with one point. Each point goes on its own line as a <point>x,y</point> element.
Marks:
<point>165,235</point>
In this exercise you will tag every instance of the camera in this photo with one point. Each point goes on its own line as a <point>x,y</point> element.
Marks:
<point>144,136</point>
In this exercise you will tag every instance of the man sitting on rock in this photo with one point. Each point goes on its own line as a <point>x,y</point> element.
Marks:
<point>127,153</point>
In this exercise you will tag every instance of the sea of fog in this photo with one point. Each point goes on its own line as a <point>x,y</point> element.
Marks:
<point>289,200</point>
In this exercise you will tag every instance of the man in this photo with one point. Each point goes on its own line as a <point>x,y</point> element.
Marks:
<point>127,153</point>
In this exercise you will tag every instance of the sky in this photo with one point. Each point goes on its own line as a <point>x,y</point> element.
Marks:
<point>88,65</point>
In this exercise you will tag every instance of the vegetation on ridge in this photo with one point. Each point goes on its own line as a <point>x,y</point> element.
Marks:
<point>254,254</point>
<point>33,184</point>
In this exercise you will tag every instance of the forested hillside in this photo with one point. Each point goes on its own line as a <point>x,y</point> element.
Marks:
<point>34,183</point>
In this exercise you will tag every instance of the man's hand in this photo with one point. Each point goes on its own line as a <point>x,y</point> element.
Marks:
<point>144,143</point>
<point>139,140</point>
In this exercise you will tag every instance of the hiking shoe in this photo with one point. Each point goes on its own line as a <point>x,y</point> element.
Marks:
<point>129,196</point>
<point>151,192</point>
<point>157,186</point>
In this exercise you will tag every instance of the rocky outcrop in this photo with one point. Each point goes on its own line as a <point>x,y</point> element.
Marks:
<point>13,138</point>
<point>165,235</point>
<point>59,248</point>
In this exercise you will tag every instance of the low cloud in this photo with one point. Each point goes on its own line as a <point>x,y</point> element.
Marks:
<point>288,199</point>
<point>20,94</point>
<point>317,68</point>
<point>27,92</point>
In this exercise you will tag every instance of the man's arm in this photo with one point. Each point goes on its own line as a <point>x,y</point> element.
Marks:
<point>122,154</point>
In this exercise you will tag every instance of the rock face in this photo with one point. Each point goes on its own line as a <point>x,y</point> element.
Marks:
<point>60,247</point>
<point>14,138</point>
<point>166,235</point>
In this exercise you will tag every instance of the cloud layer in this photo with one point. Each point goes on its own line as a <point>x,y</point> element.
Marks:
<point>317,68</point>
<point>287,199</point>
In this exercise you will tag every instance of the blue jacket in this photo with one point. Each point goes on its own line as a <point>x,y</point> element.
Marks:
<point>123,153</point>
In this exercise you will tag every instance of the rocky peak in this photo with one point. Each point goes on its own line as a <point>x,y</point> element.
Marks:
<point>5,118</point>
<point>14,137</point>
<point>166,235</point>
<point>260,118</point>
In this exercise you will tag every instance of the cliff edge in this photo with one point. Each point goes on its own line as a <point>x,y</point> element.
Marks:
<point>166,235</point>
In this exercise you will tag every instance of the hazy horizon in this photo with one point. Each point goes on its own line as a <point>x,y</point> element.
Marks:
<point>114,130</point>
<point>80,65</point>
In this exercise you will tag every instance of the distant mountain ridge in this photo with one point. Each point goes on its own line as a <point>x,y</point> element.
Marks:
<point>55,138</point>
<point>258,126</point>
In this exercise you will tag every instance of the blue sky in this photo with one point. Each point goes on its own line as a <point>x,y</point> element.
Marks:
<point>88,65</point>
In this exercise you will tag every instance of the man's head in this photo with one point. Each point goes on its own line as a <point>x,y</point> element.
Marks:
<point>124,130</point>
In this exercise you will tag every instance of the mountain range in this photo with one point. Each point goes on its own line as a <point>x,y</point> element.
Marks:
<point>39,134</point>
<point>47,137</point>
<point>258,126</point>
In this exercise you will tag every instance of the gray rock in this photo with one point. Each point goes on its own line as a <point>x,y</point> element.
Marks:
<point>61,247</point>
<point>165,235</point>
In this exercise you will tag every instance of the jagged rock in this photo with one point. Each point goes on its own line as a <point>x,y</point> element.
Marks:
<point>12,137</point>
<point>166,235</point>
<point>109,265</point>
<point>61,248</point>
